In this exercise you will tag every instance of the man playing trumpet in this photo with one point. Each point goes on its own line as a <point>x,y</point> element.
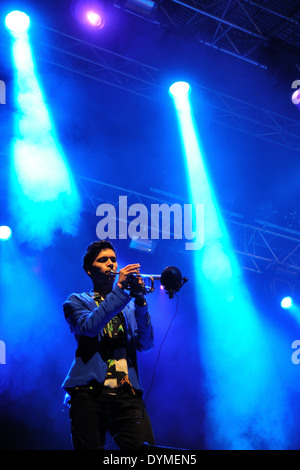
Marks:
<point>103,381</point>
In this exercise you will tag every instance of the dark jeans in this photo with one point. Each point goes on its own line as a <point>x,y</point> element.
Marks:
<point>123,415</point>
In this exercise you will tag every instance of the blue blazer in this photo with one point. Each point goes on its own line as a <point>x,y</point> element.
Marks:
<point>87,321</point>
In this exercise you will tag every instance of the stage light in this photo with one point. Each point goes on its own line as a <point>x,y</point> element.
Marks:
<point>95,19</point>
<point>230,328</point>
<point>296,94</point>
<point>179,89</point>
<point>5,232</point>
<point>287,303</point>
<point>17,22</point>
<point>90,13</point>
<point>42,187</point>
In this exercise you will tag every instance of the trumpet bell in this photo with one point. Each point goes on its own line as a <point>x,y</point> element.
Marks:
<point>171,279</point>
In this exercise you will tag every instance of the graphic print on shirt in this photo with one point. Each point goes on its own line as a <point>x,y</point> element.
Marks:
<point>115,336</point>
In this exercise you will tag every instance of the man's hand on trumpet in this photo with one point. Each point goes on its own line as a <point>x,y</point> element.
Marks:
<point>129,278</point>
<point>126,273</point>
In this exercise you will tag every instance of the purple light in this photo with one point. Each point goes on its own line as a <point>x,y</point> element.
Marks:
<point>89,13</point>
<point>296,97</point>
<point>95,19</point>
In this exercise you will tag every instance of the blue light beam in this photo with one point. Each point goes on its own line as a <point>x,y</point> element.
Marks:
<point>246,409</point>
<point>44,197</point>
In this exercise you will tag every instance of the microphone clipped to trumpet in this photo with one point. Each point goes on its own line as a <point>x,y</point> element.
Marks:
<point>171,280</point>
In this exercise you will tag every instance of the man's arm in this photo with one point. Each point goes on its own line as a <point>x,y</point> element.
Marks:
<point>89,323</point>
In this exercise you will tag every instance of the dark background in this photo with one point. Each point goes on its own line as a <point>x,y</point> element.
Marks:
<point>121,131</point>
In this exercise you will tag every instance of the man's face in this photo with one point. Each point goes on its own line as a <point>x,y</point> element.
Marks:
<point>104,262</point>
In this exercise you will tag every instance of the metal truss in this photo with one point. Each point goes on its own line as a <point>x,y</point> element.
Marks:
<point>96,63</point>
<point>241,28</point>
<point>250,119</point>
<point>261,247</point>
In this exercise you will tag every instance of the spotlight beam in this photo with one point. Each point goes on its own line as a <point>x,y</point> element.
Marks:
<point>42,187</point>
<point>232,343</point>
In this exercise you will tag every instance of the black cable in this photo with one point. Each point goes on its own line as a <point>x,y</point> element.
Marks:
<point>158,355</point>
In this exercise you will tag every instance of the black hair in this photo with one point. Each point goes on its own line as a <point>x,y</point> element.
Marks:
<point>93,250</point>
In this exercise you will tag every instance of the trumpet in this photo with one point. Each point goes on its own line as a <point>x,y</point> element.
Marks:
<point>171,280</point>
